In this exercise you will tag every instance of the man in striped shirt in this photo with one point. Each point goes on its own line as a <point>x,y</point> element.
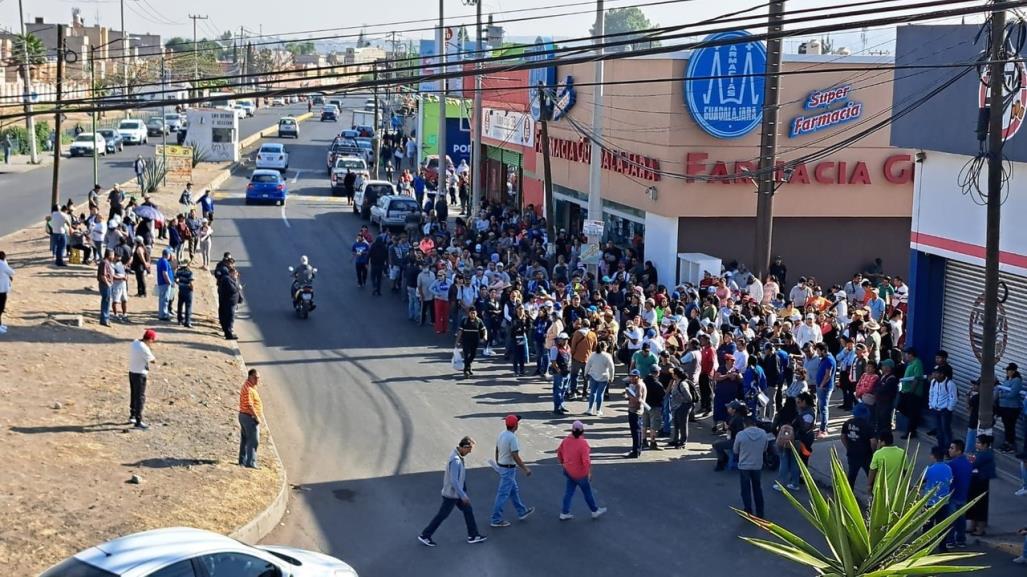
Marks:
<point>251,412</point>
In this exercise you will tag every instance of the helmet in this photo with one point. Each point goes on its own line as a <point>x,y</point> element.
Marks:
<point>303,259</point>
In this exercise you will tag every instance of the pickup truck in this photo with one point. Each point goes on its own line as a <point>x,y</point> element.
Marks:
<point>342,164</point>
<point>341,147</point>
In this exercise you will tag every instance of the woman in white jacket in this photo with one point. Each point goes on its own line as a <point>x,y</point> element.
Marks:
<point>600,371</point>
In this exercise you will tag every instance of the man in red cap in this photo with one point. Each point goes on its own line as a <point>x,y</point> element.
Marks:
<point>139,359</point>
<point>508,460</point>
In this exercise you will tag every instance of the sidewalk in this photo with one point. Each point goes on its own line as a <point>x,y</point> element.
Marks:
<point>20,163</point>
<point>1006,514</point>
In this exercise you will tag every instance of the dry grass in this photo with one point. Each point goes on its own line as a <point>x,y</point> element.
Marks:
<point>64,486</point>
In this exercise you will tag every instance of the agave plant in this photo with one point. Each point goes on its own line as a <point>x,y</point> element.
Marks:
<point>888,541</point>
<point>153,175</point>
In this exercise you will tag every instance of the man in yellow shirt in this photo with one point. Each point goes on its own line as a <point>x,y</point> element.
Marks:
<point>251,413</point>
<point>887,459</point>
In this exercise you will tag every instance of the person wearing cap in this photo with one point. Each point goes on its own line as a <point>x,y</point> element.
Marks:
<point>539,329</point>
<point>229,297</point>
<point>454,494</point>
<point>877,305</point>
<point>251,413</point>
<point>560,367</point>
<point>1009,402</point>
<point>856,435</point>
<point>165,280</point>
<point>582,344</point>
<point>469,337</point>
<point>652,417</point>
<point>644,359</point>
<point>942,396</point>
<point>636,392</point>
<point>508,461</point>
<point>574,453</point>
<point>139,358</point>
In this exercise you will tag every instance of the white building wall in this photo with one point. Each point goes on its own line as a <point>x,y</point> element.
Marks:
<point>661,244</point>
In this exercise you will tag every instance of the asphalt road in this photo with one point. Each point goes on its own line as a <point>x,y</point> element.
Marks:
<point>25,197</point>
<point>365,411</point>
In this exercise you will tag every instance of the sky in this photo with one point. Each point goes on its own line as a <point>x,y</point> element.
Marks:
<point>171,18</point>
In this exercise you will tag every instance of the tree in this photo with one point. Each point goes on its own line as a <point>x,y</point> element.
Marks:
<point>36,50</point>
<point>890,541</point>
<point>619,20</point>
<point>301,48</point>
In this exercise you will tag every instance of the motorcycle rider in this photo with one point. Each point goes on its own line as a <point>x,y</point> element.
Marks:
<point>302,275</point>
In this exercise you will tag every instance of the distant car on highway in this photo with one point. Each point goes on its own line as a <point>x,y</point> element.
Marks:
<point>114,141</point>
<point>267,186</point>
<point>274,156</point>
<point>369,104</point>
<point>288,127</point>
<point>277,102</point>
<point>155,126</point>
<point>187,552</point>
<point>329,113</point>
<point>248,105</point>
<point>133,131</point>
<point>88,144</point>
<point>391,211</point>
<point>174,121</point>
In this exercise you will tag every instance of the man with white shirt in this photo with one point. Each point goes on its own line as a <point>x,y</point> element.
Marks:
<point>60,224</point>
<point>800,293</point>
<point>854,288</point>
<point>139,359</point>
<point>941,402</point>
<point>6,277</point>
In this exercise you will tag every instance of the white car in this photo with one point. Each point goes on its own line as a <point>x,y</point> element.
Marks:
<point>174,122</point>
<point>87,144</point>
<point>133,131</point>
<point>273,155</point>
<point>248,105</point>
<point>240,111</point>
<point>277,102</point>
<point>187,552</point>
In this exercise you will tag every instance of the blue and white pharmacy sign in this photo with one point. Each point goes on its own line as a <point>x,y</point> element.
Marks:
<point>827,108</point>
<point>724,84</point>
<point>542,51</point>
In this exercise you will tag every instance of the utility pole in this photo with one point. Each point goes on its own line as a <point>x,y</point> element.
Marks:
<point>996,103</point>
<point>124,57</point>
<point>55,193</point>
<point>768,144</point>
<point>92,115</point>
<point>595,169</point>
<point>163,113</point>
<point>443,170</point>
<point>376,124</point>
<point>476,155</point>
<point>547,168</point>
<point>196,51</point>
<point>26,74</point>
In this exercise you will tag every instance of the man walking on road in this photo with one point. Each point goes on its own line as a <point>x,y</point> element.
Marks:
<point>229,296</point>
<point>636,393</point>
<point>251,413</point>
<point>508,460</point>
<point>750,445</point>
<point>139,167</point>
<point>6,278</point>
<point>139,359</point>
<point>574,453</point>
<point>454,494</point>
<point>469,337</point>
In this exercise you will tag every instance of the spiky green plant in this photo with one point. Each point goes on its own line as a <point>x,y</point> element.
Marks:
<point>888,541</point>
<point>153,174</point>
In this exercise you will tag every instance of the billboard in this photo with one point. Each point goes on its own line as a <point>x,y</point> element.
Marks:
<point>947,122</point>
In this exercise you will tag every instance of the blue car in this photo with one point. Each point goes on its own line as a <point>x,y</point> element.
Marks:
<point>267,186</point>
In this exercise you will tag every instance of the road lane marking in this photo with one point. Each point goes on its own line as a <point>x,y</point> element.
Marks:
<point>296,176</point>
<point>284,218</point>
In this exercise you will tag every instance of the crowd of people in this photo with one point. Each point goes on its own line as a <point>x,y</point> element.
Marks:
<point>765,361</point>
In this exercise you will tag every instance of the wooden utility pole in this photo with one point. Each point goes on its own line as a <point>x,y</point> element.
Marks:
<point>547,167</point>
<point>196,51</point>
<point>92,115</point>
<point>996,138</point>
<point>768,145</point>
<point>55,193</point>
<point>26,75</point>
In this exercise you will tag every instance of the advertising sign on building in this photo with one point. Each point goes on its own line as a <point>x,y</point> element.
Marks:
<point>508,126</point>
<point>566,96</point>
<point>545,76</point>
<point>724,84</point>
<point>828,108</point>
<point>458,141</point>
<point>1013,116</point>
<point>429,63</point>
<point>179,161</point>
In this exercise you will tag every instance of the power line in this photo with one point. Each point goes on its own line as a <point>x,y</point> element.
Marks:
<point>363,85</point>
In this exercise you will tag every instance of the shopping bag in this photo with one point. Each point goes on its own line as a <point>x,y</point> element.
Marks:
<point>458,360</point>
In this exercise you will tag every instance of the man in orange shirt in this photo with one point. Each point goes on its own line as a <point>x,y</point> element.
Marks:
<point>574,454</point>
<point>251,413</point>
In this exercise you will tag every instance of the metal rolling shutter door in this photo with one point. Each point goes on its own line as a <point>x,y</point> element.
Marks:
<point>963,284</point>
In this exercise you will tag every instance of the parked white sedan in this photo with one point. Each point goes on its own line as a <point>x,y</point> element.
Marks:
<point>187,552</point>
<point>274,156</point>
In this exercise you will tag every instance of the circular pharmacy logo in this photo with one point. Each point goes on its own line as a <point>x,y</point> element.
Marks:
<point>1013,117</point>
<point>724,84</point>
